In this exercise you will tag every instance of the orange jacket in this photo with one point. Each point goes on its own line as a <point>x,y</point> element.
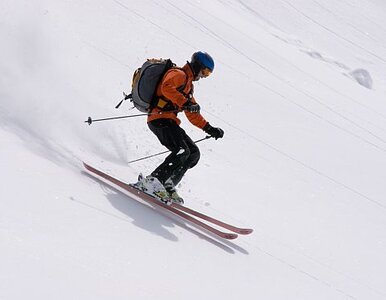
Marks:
<point>168,90</point>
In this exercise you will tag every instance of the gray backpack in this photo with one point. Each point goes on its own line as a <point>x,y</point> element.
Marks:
<point>145,82</point>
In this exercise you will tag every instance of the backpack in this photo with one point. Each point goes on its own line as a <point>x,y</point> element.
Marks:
<point>145,82</point>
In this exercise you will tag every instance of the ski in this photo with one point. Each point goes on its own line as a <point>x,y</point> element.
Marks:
<point>154,202</point>
<point>213,220</point>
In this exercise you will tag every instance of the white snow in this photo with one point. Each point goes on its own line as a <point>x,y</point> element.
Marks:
<point>302,162</point>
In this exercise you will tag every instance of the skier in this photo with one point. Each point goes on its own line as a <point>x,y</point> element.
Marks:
<point>175,94</point>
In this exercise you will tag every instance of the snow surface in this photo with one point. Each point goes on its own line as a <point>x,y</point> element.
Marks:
<point>302,161</point>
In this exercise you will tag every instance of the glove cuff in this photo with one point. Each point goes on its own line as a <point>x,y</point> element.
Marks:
<point>207,127</point>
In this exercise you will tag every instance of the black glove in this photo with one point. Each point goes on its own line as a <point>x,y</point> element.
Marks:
<point>191,107</point>
<point>213,131</point>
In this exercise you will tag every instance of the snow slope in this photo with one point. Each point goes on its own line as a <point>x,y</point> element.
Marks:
<point>299,89</point>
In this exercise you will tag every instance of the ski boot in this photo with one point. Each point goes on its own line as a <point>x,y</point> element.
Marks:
<point>171,189</point>
<point>153,187</point>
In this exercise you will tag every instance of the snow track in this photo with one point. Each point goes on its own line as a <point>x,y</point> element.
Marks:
<point>302,161</point>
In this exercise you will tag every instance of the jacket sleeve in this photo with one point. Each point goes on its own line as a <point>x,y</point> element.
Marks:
<point>196,118</point>
<point>173,80</point>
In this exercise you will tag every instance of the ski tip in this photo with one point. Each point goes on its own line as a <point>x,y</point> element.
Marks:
<point>89,168</point>
<point>86,165</point>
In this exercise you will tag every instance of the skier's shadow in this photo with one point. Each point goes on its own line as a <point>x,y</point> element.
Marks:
<point>144,218</point>
<point>150,219</point>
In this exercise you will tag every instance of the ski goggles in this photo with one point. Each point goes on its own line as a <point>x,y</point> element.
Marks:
<point>205,72</point>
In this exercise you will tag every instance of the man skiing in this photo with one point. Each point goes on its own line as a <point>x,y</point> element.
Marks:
<point>175,94</point>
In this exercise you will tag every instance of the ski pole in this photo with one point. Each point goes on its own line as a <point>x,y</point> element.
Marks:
<point>90,120</point>
<point>163,152</point>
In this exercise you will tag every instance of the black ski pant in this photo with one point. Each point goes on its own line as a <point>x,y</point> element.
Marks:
<point>184,152</point>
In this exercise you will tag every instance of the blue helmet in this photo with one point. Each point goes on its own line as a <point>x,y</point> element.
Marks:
<point>201,60</point>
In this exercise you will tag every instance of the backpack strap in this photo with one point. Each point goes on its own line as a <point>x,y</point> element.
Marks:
<point>167,105</point>
<point>188,95</point>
